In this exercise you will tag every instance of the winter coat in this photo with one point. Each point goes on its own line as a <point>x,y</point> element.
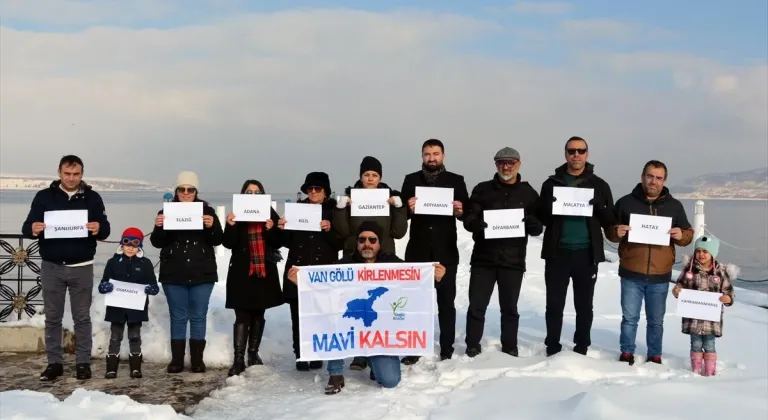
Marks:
<point>494,195</point>
<point>136,269</point>
<point>645,262</point>
<point>602,215</point>
<point>187,256</point>
<point>433,238</point>
<point>67,251</point>
<point>394,226</point>
<point>248,292</point>
<point>718,280</point>
<point>309,248</point>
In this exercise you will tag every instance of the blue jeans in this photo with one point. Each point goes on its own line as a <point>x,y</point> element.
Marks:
<point>188,303</point>
<point>703,342</point>
<point>385,368</point>
<point>632,294</point>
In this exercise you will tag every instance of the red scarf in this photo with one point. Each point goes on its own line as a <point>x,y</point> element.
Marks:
<point>256,245</point>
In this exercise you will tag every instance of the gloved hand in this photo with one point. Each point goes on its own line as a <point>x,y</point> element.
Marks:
<point>105,287</point>
<point>342,202</point>
<point>477,225</point>
<point>532,225</point>
<point>554,198</point>
<point>152,289</point>
<point>397,201</point>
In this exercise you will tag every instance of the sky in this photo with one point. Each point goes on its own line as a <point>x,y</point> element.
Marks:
<point>236,89</point>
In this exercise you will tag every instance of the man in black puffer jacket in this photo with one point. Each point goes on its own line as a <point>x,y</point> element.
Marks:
<point>499,260</point>
<point>67,263</point>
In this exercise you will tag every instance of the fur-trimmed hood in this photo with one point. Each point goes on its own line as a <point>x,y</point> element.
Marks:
<point>732,270</point>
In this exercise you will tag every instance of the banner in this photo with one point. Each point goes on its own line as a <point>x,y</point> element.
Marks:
<point>366,310</point>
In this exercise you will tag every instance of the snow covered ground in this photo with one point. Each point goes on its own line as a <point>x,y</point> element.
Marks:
<point>491,386</point>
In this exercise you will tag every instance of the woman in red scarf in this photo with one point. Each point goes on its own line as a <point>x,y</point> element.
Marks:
<point>253,281</point>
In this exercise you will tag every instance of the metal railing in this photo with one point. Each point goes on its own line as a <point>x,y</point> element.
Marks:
<point>20,288</point>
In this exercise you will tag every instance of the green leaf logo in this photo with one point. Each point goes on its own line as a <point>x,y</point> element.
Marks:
<point>399,304</point>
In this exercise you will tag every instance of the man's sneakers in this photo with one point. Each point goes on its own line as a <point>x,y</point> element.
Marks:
<point>51,372</point>
<point>628,358</point>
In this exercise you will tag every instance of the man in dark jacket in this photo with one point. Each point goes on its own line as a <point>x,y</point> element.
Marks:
<point>573,245</point>
<point>433,238</point>
<point>384,369</point>
<point>499,260</point>
<point>67,263</point>
<point>646,270</point>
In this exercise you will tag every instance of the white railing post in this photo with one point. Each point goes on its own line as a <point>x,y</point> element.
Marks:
<point>221,213</point>
<point>698,220</point>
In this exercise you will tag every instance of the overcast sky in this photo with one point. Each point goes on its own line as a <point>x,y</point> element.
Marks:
<point>145,89</point>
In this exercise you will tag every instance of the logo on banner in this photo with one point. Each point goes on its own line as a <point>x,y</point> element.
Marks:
<point>400,304</point>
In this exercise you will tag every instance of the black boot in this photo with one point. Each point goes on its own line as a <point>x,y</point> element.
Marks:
<point>316,364</point>
<point>83,371</point>
<point>254,341</point>
<point>410,360</point>
<point>134,362</point>
<point>51,372</point>
<point>239,338</point>
<point>196,350</point>
<point>112,361</point>
<point>178,349</point>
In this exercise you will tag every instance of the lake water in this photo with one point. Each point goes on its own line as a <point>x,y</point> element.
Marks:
<point>741,223</point>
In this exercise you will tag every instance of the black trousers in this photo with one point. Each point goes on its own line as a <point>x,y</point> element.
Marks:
<point>481,283</point>
<point>294,305</point>
<point>446,309</point>
<point>579,266</point>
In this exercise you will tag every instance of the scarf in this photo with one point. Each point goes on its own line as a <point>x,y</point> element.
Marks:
<point>430,177</point>
<point>256,245</point>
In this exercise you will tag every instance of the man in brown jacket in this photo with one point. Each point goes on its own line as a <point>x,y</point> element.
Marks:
<point>646,270</point>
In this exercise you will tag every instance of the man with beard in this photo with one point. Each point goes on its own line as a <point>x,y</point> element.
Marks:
<point>433,238</point>
<point>573,246</point>
<point>384,369</point>
<point>499,260</point>
<point>645,270</point>
<point>67,263</point>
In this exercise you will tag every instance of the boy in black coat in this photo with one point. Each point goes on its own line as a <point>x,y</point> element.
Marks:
<point>128,265</point>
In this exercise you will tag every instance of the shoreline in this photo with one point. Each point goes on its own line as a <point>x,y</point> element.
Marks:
<point>679,197</point>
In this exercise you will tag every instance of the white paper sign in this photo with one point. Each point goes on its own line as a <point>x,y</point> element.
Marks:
<point>369,202</point>
<point>252,207</point>
<point>647,229</point>
<point>434,200</point>
<point>183,216</point>
<point>126,295</point>
<point>366,310</point>
<point>507,223</point>
<point>303,216</point>
<point>696,304</point>
<point>572,201</point>
<point>65,224</point>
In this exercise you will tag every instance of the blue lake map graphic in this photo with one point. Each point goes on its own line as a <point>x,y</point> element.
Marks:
<point>362,308</point>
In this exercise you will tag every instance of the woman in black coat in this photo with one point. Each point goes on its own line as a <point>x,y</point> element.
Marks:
<point>309,248</point>
<point>253,282</point>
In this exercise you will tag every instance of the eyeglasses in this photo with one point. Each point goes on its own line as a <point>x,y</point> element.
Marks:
<point>188,190</point>
<point>574,151</point>
<point>130,242</point>
<point>315,189</point>
<point>371,239</point>
<point>253,192</point>
<point>507,163</point>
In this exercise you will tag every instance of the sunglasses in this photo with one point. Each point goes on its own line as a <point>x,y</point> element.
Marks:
<point>183,190</point>
<point>253,192</point>
<point>315,189</point>
<point>130,242</point>
<point>574,151</point>
<point>371,239</point>
<point>506,163</point>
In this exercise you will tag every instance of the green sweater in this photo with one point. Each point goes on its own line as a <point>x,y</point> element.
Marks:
<point>575,234</point>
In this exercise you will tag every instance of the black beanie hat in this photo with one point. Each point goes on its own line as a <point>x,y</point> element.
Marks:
<point>370,163</point>
<point>317,179</point>
<point>370,226</point>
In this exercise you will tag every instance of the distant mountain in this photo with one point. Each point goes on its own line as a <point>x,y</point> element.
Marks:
<point>751,184</point>
<point>36,182</point>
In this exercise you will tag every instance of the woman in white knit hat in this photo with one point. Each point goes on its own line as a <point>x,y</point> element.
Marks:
<point>187,273</point>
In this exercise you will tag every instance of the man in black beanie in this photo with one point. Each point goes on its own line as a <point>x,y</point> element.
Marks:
<point>384,369</point>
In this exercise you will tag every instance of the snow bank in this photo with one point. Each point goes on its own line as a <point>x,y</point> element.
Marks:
<point>490,386</point>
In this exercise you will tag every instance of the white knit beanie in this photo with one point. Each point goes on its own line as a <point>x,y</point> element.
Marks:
<point>187,178</point>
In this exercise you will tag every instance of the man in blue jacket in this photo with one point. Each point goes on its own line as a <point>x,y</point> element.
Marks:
<point>67,263</point>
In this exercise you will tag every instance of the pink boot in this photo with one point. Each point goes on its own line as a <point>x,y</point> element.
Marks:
<point>697,361</point>
<point>710,363</point>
